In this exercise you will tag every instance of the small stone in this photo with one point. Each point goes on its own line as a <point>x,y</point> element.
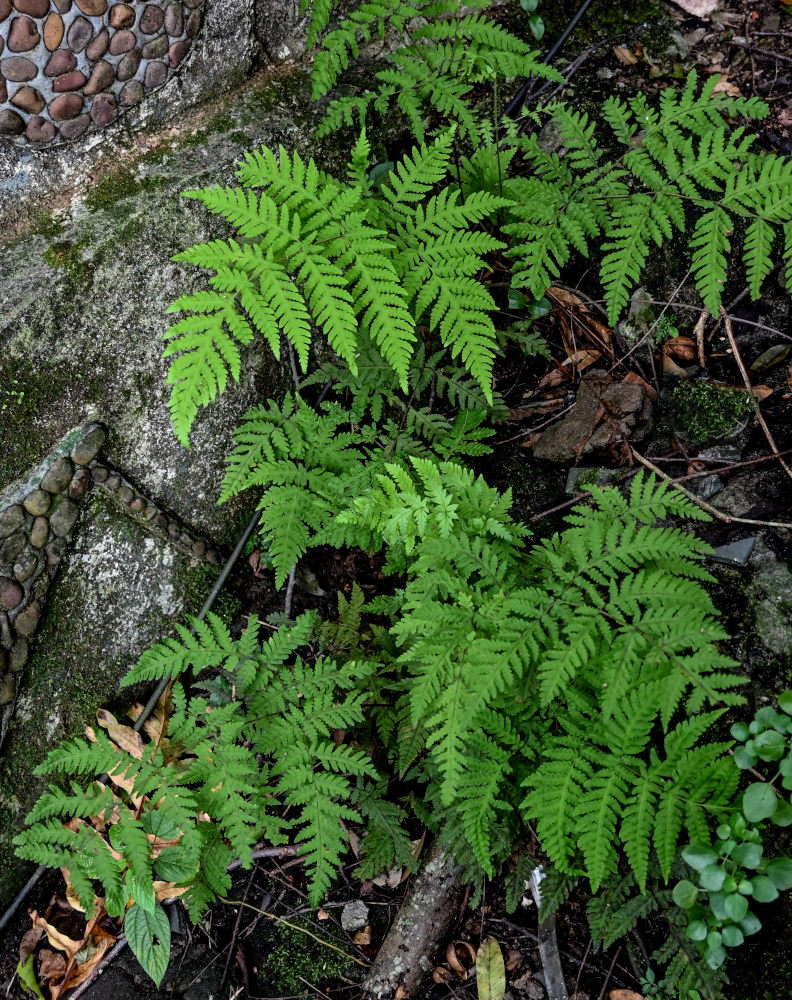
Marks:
<point>354,916</point>
<point>63,6</point>
<point>156,74</point>
<point>151,20</point>
<point>5,9</point>
<point>161,521</point>
<point>25,566</point>
<point>6,639</point>
<point>93,8</point>
<point>11,520</point>
<point>18,69</point>
<point>3,91</point>
<point>99,474</point>
<point>121,16</point>
<point>173,530</point>
<point>194,23</point>
<point>156,48</point>
<point>39,129</point>
<point>99,45</point>
<point>113,482</point>
<point>79,484</point>
<point>53,31</point>
<point>11,594</point>
<point>23,35</point>
<point>79,34</point>
<point>69,81</point>
<point>75,128</point>
<point>63,517</point>
<point>125,494</point>
<point>137,505</point>
<point>35,8</point>
<point>735,553</point>
<point>213,557</point>
<point>104,111</point>
<point>11,547</point>
<point>28,99</point>
<point>706,487</point>
<point>85,451</point>
<point>150,513</point>
<point>26,621</point>
<point>39,533</point>
<point>174,19</point>
<point>193,3</point>
<point>178,51</point>
<point>185,539</point>
<point>128,65</point>
<point>131,93</point>
<point>37,502</point>
<point>199,547</point>
<point>101,78</point>
<point>55,552</point>
<point>19,656</point>
<point>59,474</point>
<point>7,689</point>
<point>122,41</point>
<point>66,106</point>
<point>61,61</point>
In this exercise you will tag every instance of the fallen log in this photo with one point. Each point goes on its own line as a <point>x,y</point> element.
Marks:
<point>407,956</point>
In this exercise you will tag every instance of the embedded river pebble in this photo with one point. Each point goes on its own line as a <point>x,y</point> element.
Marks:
<point>67,64</point>
<point>37,521</point>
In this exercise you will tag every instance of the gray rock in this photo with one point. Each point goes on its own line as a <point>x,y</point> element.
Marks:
<point>26,621</point>
<point>25,567</point>
<point>37,502</point>
<point>706,487</point>
<point>599,476</point>
<point>10,548</point>
<point>90,446</point>
<point>63,517</point>
<point>99,474</point>
<point>19,656</point>
<point>125,494</point>
<point>7,689</point>
<point>39,533</point>
<point>11,520</point>
<point>354,916</point>
<point>11,594</point>
<point>58,476</point>
<point>735,553</point>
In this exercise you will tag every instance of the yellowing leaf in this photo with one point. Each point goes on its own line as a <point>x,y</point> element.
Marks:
<point>490,971</point>
<point>625,995</point>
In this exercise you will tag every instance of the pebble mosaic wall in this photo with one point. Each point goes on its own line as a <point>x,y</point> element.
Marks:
<point>37,518</point>
<point>69,65</point>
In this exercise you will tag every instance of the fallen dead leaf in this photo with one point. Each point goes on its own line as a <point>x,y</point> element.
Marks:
<point>442,975</point>
<point>785,116</point>
<point>323,915</point>
<point>635,379</point>
<point>51,965</point>
<point>124,736</point>
<point>681,350</point>
<point>363,937</point>
<point>625,55</point>
<point>698,8</point>
<point>513,959</point>
<point>577,362</point>
<point>724,86</point>
<point>29,941</point>
<point>762,391</point>
<point>625,995</point>
<point>461,956</point>
<point>580,326</point>
<point>58,940</point>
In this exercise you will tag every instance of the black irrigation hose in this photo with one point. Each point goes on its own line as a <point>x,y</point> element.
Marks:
<point>515,105</point>
<point>150,704</point>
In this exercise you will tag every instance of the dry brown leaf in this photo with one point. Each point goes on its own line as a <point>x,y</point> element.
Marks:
<point>58,940</point>
<point>461,956</point>
<point>762,391</point>
<point>625,56</point>
<point>698,8</point>
<point>101,942</point>
<point>580,326</point>
<point>123,736</point>
<point>363,937</point>
<point>401,993</point>
<point>523,981</point>
<point>724,86</point>
<point>168,890</point>
<point>513,959</point>
<point>29,941</point>
<point>442,975</point>
<point>670,367</point>
<point>579,361</point>
<point>625,995</point>
<point>635,379</point>
<point>52,965</point>
<point>73,899</point>
<point>323,915</point>
<point>681,350</point>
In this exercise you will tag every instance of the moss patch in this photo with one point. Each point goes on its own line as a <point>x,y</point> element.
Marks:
<point>706,411</point>
<point>295,957</point>
<point>119,184</point>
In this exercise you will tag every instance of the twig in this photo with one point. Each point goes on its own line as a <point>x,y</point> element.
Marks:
<point>285,851</point>
<point>610,973</point>
<point>698,333</point>
<point>235,932</point>
<point>727,518</point>
<point>582,964</point>
<point>749,387</point>
<point>761,52</point>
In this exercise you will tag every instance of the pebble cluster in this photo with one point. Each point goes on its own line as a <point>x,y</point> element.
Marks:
<point>35,524</point>
<point>67,65</point>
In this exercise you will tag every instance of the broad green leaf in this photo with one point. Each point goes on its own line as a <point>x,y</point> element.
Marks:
<point>780,871</point>
<point>759,802</point>
<point>173,865</point>
<point>712,878</point>
<point>732,936</point>
<point>684,894</point>
<point>27,978</point>
<point>490,971</point>
<point>736,907</point>
<point>148,935</point>
<point>700,856</point>
<point>748,855</point>
<point>764,890</point>
<point>785,702</point>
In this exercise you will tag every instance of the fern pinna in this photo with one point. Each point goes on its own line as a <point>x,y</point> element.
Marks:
<point>681,155</point>
<point>315,250</point>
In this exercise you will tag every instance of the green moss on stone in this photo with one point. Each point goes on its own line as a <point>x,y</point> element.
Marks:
<point>117,185</point>
<point>68,256</point>
<point>706,411</point>
<point>296,958</point>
